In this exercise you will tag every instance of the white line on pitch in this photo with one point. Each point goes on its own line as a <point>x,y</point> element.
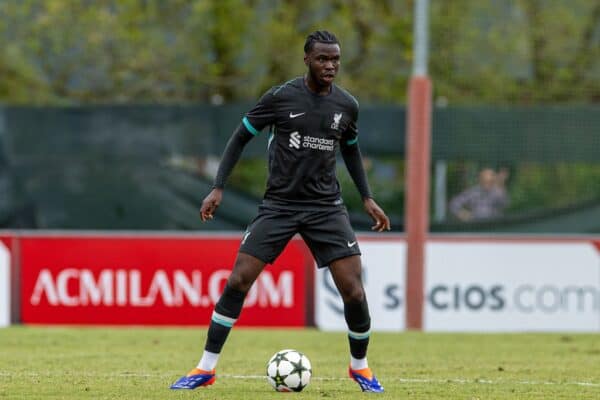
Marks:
<point>420,380</point>
<point>460,381</point>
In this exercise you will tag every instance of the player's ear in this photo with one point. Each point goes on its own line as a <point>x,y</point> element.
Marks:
<point>306,61</point>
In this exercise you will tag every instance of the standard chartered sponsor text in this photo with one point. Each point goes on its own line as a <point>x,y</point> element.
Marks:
<point>318,143</point>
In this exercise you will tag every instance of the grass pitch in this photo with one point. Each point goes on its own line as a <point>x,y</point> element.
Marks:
<point>141,363</point>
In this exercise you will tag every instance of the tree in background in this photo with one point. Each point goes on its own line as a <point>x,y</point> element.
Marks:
<point>132,51</point>
<point>519,51</point>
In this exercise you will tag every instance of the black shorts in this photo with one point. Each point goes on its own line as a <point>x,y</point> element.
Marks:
<point>327,233</point>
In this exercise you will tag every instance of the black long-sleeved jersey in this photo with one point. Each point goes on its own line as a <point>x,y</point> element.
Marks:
<point>306,132</point>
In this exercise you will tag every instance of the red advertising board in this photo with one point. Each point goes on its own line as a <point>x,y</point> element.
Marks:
<point>152,280</point>
<point>5,240</point>
<point>6,244</point>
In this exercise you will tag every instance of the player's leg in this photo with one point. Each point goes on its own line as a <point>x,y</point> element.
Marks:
<point>262,243</point>
<point>228,308</point>
<point>346,273</point>
<point>333,243</point>
<point>226,312</point>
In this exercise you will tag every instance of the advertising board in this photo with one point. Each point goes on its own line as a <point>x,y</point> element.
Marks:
<point>512,286</point>
<point>5,282</point>
<point>478,285</point>
<point>151,280</point>
<point>383,278</point>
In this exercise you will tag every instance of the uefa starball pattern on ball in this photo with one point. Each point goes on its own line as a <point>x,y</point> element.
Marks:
<point>289,371</point>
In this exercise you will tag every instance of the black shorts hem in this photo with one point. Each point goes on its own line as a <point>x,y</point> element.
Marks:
<point>261,258</point>
<point>337,257</point>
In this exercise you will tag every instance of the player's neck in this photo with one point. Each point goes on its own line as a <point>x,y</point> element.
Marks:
<point>314,86</point>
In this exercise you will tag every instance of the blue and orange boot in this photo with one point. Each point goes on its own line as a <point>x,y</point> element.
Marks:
<point>196,377</point>
<point>366,380</point>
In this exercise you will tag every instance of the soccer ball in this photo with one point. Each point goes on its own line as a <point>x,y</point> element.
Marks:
<point>289,371</point>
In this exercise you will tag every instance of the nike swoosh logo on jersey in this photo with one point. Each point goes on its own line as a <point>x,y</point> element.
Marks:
<point>350,244</point>
<point>292,115</point>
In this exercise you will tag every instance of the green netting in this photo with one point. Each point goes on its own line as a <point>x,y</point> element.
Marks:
<point>148,167</point>
<point>517,135</point>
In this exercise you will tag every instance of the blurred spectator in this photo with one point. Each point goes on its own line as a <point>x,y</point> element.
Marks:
<point>486,200</point>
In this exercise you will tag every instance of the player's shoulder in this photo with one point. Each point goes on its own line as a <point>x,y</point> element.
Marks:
<point>346,97</point>
<point>286,88</point>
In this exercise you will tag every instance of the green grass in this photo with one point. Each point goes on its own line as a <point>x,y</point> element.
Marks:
<point>140,363</point>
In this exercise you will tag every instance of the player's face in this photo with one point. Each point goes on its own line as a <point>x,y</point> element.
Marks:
<point>323,62</point>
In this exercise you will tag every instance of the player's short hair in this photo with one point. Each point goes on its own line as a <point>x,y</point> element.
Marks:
<point>319,37</point>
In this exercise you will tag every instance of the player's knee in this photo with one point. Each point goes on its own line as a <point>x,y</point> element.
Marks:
<point>241,279</point>
<point>244,273</point>
<point>239,283</point>
<point>352,294</point>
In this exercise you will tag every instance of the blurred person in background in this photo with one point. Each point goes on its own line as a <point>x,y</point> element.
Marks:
<point>311,119</point>
<point>486,200</point>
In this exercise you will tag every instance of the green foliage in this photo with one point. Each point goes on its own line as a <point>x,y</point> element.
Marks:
<point>386,179</point>
<point>554,186</point>
<point>107,51</point>
<point>535,187</point>
<point>250,175</point>
<point>57,52</point>
<point>141,363</point>
<point>524,51</point>
<point>532,187</point>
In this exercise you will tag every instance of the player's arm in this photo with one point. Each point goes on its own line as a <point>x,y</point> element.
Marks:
<point>261,115</point>
<point>353,160</point>
<point>459,205</point>
<point>232,153</point>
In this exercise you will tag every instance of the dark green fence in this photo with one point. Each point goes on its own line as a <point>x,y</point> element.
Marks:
<point>148,167</point>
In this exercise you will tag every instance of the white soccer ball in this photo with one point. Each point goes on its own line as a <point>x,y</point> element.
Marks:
<point>289,371</point>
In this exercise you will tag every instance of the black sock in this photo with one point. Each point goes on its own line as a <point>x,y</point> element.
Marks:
<point>359,327</point>
<point>227,310</point>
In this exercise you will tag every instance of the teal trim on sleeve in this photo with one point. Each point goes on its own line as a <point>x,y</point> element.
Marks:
<point>352,141</point>
<point>249,126</point>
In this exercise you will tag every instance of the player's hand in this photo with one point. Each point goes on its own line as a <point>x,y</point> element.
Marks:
<point>210,204</point>
<point>382,222</point>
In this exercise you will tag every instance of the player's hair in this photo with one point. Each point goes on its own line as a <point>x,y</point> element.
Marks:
<point>319,37</point>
